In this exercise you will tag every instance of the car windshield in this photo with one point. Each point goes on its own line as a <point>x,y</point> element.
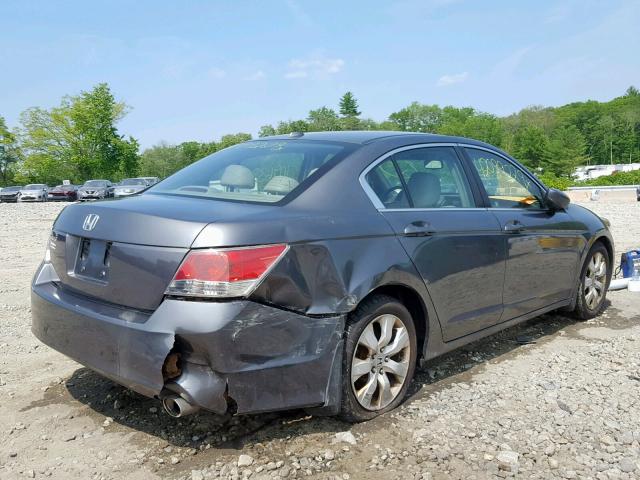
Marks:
<point>264,171</point>
<point>34,186</point>
<point>132,181</point>
<point>95,183</point>
<point>11,189</point>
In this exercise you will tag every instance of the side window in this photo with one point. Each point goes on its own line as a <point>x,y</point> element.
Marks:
<point>431,177</point>
<point>386,184</point>
<point>434,178</point>
<point>506,185</point>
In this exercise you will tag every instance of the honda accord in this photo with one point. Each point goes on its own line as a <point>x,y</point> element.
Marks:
<point>313,270</point>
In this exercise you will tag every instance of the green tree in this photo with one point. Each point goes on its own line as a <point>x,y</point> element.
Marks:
<point>323,119</point>
<point>162,160</point>
<point>78,139</point>
<point>467,122</point>
<point>267,131</point>
<point>9,152</point>
<point>565,150</point>
<point>418,118</point>
<point>291,126</point>
<point>530,146</point>
<point>349,105</point>
<point>233,139</point>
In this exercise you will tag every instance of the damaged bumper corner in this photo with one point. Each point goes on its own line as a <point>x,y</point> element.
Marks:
<point>262,357</point>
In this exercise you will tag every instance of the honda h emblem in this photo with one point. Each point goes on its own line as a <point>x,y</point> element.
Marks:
<point>90,222</point>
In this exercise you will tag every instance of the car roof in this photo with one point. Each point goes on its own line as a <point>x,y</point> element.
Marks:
<point>368,136</point>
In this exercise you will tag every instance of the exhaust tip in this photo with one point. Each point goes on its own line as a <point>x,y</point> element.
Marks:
<point>176,406</point>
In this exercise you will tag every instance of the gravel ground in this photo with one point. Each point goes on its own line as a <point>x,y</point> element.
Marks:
<point>551,398</point>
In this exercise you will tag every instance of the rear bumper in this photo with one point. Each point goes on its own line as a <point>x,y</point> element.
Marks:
<point>262,357</point>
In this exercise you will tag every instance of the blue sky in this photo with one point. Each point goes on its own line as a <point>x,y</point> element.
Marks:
<point>195,70</point>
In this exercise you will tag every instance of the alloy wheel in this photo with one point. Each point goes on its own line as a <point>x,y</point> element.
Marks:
<point>594,282</point>
<point>380,362</point>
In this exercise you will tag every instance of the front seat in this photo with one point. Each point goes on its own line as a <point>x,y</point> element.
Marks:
<point>237,176</point>
<point>424,189</point>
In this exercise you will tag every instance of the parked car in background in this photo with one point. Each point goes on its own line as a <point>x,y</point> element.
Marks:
<point>129,186</point>
<point>67,193</point>
<point>95,190</point>
<point>35,192</point>
<point>321,271</point>
<point>10,194</point>
<point>150,180</point>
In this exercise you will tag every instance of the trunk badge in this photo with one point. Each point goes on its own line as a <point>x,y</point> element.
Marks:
<point>90,222</point>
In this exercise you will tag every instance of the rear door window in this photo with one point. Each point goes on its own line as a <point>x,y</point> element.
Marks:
<point>428,177</point>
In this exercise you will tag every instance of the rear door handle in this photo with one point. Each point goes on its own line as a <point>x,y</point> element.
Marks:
<point>418,229</point>
<point>513,226</point>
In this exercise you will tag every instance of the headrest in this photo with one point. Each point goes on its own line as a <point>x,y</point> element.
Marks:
<point>280,185</point>
<point>237,176</point>
<point>424,189</point>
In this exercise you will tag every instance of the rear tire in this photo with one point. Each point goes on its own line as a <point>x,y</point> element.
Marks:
<point>379,358</point>
<point>593,283</point>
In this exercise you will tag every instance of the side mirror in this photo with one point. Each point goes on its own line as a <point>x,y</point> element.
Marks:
<point>557,200</point>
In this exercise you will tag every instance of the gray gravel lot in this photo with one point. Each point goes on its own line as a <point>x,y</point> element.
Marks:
<point>551,398</point>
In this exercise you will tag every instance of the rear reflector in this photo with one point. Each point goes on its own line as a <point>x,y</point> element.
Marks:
<point>224,273</point>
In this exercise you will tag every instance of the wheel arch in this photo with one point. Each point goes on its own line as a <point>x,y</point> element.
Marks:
<point>412,300</point>
<point>608,245</point>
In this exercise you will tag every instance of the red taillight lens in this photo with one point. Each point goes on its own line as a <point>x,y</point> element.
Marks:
<point>225,272</point>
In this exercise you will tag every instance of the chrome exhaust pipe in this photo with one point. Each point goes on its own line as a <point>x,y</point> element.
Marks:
<point>177,407</point>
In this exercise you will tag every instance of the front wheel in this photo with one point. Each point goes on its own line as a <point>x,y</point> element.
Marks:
<point>593,283</point>
<point>379,358</point>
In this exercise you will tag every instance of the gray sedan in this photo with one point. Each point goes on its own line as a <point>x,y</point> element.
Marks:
<point>129,186</point>
<point>313,270</point>
<point>35,192</point>
<point>95,190</point>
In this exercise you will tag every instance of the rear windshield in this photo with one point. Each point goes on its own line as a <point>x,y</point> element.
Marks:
<point>34,186</point>
<point>133,181</point>
<point>264,171</point>
<point>95,183</point>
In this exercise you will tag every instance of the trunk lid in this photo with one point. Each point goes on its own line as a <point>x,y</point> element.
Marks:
<point>126,251</point>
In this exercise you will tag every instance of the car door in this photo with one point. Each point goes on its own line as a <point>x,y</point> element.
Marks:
<point>425,194</point>
<point>543,245</point>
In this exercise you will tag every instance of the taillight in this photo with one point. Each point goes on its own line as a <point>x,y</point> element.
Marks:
<point>224,273</point>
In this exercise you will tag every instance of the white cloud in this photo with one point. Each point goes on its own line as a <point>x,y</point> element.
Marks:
<point>296,74</point>
<point>316,65</point>
<point>257,75</point>
<point>215,72</point>
<point>447,80</point>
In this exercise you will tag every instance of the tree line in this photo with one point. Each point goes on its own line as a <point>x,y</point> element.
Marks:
<point>79,139</point>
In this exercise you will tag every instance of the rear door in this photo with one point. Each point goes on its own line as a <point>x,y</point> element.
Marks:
<point>425,194</point>
<point>543,245</point>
